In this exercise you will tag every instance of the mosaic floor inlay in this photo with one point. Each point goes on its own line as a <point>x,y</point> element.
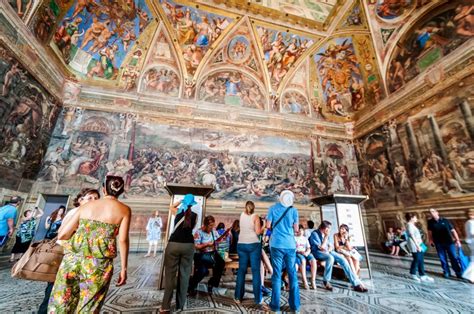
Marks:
<point>390,291</point>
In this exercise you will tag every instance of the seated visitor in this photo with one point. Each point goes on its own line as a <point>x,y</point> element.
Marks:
<point>342,245</point>
<point>304,256</point>
<point>403,243</point>
<point>234,232</point>
<point>206,256</point>
<point>321,249</point>
<point>88,263</point>
<point>224,244</point>
<point>391,242</point>
<point>310,229</point>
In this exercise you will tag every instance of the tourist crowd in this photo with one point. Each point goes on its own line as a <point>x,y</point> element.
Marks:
<point>277,245</point>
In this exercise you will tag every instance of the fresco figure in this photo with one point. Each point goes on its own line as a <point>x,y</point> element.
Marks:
<point>340,77</point>
<point>95,36</point>
<point>390,9</point>
<point>426,44</point>
<point>281,50</point>
<point>27,116</point>
<point>232,88</point>
<point>294,102</point>
<point>196,30</point>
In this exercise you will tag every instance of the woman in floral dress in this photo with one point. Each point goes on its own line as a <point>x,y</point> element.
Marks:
<point>86,271</point>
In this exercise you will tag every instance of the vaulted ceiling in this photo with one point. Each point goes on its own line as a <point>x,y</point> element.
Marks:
<point>321,59</point>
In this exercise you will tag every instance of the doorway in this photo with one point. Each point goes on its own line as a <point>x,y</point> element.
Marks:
<point>49,203</point>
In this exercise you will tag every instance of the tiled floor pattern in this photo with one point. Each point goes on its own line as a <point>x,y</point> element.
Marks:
<point>391,291</point>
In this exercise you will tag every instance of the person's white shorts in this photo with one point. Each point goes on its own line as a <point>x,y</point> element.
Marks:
<point>154,242</point>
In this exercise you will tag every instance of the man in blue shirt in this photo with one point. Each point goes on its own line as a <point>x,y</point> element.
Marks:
<point>321,249</point>
<point>283,221</point>
<point>8,214</point>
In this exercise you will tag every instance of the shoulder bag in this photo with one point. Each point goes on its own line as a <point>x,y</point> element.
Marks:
<point>40,262</point>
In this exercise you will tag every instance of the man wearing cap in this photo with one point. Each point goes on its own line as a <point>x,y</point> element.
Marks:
<point>283,221</point>
<point>8,214</point>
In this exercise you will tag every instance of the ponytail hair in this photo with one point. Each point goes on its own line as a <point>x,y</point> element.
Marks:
<point>114,185</point>
<point>187,217</point>
<point>249,208</point>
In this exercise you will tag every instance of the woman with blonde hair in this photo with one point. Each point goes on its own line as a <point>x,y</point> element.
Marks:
<point>249,249</point>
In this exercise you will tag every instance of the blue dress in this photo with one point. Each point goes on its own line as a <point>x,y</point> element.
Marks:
<point>154,229</point>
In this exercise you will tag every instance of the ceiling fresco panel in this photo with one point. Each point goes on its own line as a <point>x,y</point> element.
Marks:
<point>233,87</point>
<point>340,78</point>
<point>427,42</point>
<point>94,37</point>
<point>281,51</point>
<point>195,30</point>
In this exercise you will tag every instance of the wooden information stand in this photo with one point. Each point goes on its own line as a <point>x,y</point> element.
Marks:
<point>177,192</point>
<point>345,209</point>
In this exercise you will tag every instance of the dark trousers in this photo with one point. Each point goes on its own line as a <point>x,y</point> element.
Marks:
<point>201,269</point>
<point>445,250</point>
<point>43,309</point>
<point>178,261</point>
<point>418,264</point>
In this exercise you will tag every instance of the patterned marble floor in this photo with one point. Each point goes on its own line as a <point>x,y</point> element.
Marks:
<point>391,291</point>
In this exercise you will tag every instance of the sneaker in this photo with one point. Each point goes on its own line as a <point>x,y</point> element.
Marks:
<point>426,279</point>
<point>446,275</point>
<point>416,278</point>
<point>147,255</point>
<point>237,301</point>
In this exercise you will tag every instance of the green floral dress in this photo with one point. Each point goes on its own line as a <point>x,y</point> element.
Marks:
<point>85,273</point>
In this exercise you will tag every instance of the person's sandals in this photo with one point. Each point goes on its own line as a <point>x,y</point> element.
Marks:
<point>327,286</point>
<point>313,284</point>
<point>164,311</point>
<point>306,286</point>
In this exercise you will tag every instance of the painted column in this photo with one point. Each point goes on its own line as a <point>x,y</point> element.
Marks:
<point>437,137</point>
<point>467,115</point>
<point>412,144</point>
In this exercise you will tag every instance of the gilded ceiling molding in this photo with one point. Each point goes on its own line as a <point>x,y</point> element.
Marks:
<point>21,42</point>
<point>339,14</point>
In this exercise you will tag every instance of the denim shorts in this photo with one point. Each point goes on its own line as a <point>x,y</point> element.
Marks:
<point>301,257</point>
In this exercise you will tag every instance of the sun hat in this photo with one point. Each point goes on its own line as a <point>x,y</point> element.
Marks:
<point>187,200</point>
<point>287,198</point>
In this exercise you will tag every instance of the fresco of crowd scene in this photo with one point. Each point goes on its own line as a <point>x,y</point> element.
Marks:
<point>27,115</point>
<point>429,156</point>
<point>87,145</point>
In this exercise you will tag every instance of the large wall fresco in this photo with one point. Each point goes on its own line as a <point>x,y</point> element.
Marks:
<point>428,155</point>
<point>428,43</point>
<point>335,167</point>
<point>27,116</point>
<point>93,38</point>
<point>86,145</point>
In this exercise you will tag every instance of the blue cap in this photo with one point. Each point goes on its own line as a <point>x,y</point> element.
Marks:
<point>188,200</point>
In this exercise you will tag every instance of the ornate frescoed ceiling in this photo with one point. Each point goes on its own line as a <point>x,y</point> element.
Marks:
<point>322,60</point>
